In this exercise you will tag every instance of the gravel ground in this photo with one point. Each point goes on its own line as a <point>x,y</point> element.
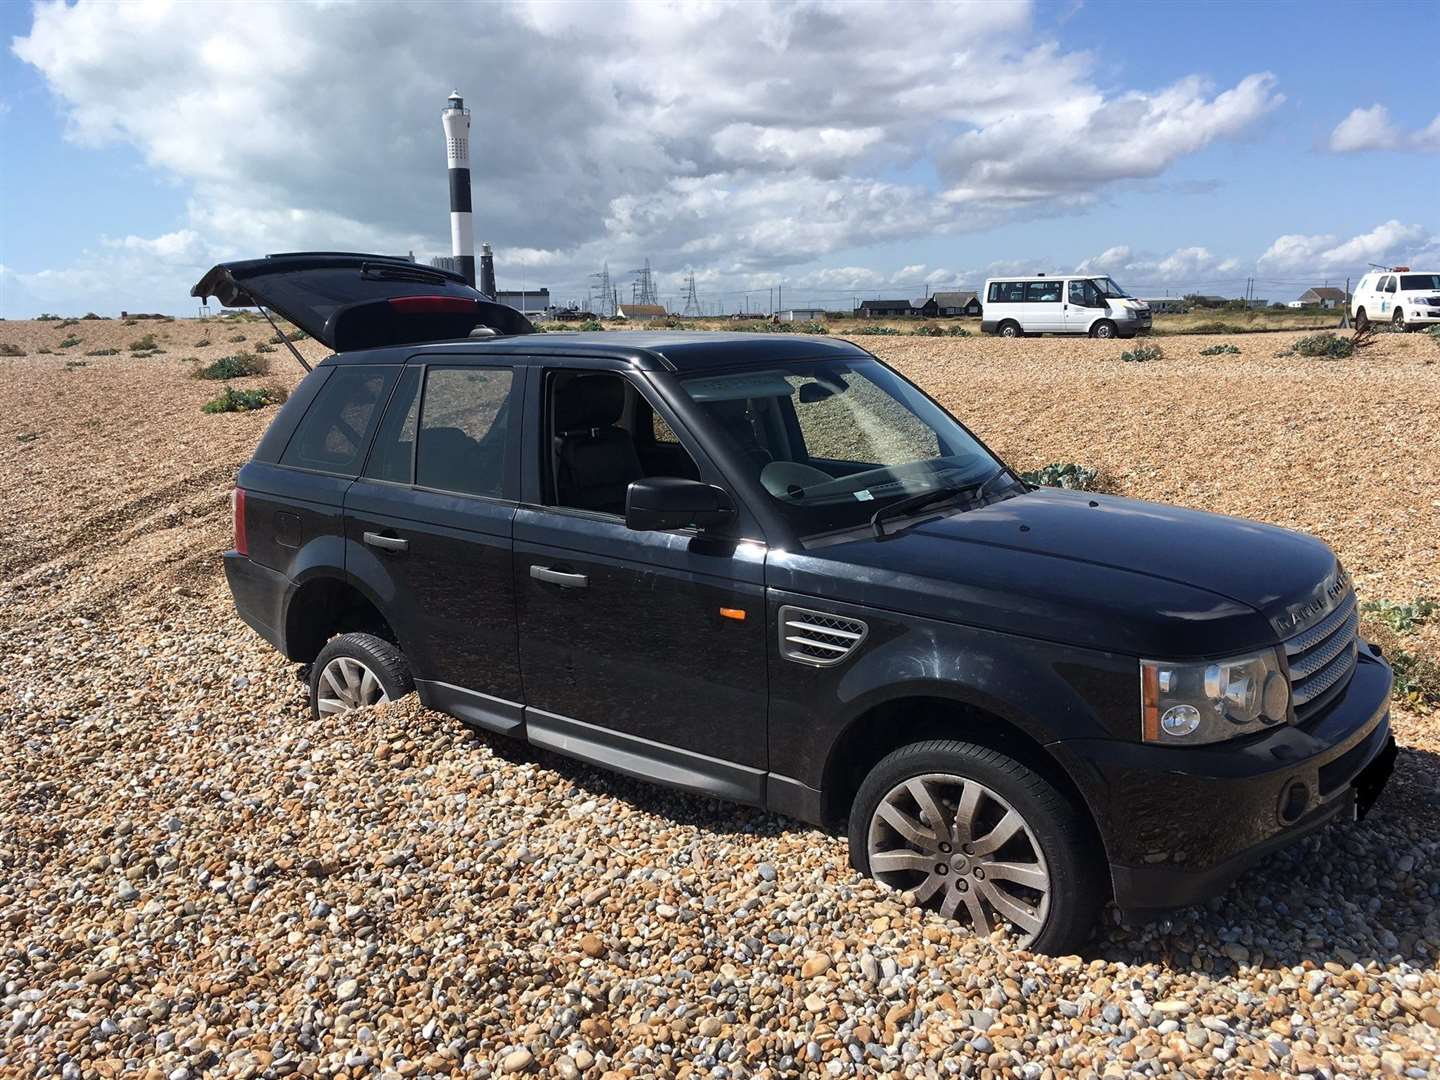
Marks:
<point>200,880</point>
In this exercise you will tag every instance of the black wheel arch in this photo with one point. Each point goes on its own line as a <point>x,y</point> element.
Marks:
<point>900,721</point>
<point>324,605</point>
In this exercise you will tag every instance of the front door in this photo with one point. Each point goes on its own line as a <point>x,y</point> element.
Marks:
<point>644,651</point>
<point>1082,305</point>
<point>428,527</point>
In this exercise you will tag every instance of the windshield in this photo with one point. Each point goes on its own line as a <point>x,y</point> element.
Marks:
<point>1420,282</point>
<point>1108,288</point>
<point>833,441</point>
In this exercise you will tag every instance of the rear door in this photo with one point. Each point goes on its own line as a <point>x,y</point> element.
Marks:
<point>429,529</point>
<point>352,301</point>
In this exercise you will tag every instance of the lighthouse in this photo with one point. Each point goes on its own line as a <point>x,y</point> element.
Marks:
<point>456,119</point>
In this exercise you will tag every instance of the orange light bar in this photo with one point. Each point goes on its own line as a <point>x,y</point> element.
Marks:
<point>1150,702</point>
<point>738,614</point>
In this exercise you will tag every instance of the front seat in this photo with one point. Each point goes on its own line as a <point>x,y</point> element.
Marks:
<point>595,461</point>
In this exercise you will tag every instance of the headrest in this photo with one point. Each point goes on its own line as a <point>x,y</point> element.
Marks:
<point>589,401</point>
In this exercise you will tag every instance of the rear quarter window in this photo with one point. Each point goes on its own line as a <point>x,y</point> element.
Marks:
<point>340,422</point>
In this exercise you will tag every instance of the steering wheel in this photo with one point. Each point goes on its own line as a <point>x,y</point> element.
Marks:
<point>783,478</point>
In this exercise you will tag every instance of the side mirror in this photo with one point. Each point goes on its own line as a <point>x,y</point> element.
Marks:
<point>669,502</point>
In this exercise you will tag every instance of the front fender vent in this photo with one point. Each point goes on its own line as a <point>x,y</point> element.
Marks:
<point>817,638</point>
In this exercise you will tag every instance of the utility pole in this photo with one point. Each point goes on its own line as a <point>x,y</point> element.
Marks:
<point>1345,308</point>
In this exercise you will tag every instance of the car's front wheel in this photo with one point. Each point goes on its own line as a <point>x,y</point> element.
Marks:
<point>980,838</point>
<point>1361,319</point>
<point>1398,321</point>
<point>1104,329</point>
<point>356,670</point>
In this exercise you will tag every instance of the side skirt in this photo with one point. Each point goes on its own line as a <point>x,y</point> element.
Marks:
<point>646,760</point>
<point>471,707</point>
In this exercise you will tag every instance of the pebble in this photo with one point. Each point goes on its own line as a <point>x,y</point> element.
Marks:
<point>200,879</point>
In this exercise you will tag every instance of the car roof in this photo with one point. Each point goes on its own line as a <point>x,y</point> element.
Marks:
<point>673,351</point>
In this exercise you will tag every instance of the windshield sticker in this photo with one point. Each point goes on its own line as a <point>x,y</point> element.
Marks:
<point>864,496</point>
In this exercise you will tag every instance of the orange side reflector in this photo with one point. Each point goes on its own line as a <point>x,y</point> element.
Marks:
<point>1150,703</point>
<point>738,614</point>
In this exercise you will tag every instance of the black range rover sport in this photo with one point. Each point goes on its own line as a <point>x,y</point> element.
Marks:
<point>772,570</point>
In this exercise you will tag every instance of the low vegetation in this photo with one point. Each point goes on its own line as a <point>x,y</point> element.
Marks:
<point>144,344</point>
<point>103,352</point>
<point>1064,474</point>
<point>69,342</point>
<point>236,338</point>
<point>7,349</point>
<point>1219,350</point>
<point>1142,354</point>
<point>875,331</point>
<point>1402,618</point>
<point>1390,624</point>
<point>237,366</point>
<point>1325,345</point>
<point>261,347</point>
<point>203,343</point>
<point>232,400</point>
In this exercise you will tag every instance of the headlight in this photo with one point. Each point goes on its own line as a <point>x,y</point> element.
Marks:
<point>1192,703</point>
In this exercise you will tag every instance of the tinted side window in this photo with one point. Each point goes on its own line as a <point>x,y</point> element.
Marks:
<point>1390,284</point>
<point>463,434</point>
<point>1042,291</point>
<point>338,425</point>
<point>1007,292</point>
<point>394,451</point>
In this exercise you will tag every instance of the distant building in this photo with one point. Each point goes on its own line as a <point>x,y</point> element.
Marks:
<point>802,314</point>
<point>446,262</point>
<point>1170,305</point>
<point>525,299</point>
<point>1324,296</point>
<point>884,309</point>
<point>951,303</point>
<point>641,312</point>
<point>1208,301</point>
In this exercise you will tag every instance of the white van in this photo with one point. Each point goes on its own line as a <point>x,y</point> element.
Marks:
<point>1016,306</point>
<point>1400,296</point>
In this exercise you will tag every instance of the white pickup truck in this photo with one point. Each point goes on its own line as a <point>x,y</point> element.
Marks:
<point>1405,298</point>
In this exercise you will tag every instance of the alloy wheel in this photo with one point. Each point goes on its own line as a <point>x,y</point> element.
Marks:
<point>958,845</point>
<point>345,684</point>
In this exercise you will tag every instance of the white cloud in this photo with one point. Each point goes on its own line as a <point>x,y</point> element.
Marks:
<point>1183,265</point>
<point>1083,140</point>
<point>1389,242</point>
<point>1373,129</point>
<point>1365,129</point>
<point>614,130</point>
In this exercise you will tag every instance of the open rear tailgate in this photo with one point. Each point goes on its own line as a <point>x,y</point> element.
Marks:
<point>353,301</point>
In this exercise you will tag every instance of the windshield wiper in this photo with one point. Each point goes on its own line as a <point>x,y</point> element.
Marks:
<point>927,498</point>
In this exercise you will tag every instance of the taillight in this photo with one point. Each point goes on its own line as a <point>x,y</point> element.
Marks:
<point>237,506</point>
<point>431,305</point>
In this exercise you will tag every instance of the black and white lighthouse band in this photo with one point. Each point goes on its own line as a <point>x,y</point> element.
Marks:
<point>456,119</point>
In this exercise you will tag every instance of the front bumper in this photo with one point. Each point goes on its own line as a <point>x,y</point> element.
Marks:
<point>1180,823</point>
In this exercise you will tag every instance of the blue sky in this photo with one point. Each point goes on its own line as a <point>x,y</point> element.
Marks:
<point>1176,146</point>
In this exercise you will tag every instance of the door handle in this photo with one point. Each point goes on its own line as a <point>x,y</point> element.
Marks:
<point>559,577</point>
<point>386,543</point>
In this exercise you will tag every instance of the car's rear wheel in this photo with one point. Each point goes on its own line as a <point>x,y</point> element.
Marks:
<point>1361,319</point>
<point>1103,329</point>
<point>1010,328</point>
<point>354,671</point>
<point>980,838</point>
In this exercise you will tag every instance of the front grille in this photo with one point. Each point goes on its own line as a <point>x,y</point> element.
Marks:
<point>1322,658</point>
<point>818,638</point>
